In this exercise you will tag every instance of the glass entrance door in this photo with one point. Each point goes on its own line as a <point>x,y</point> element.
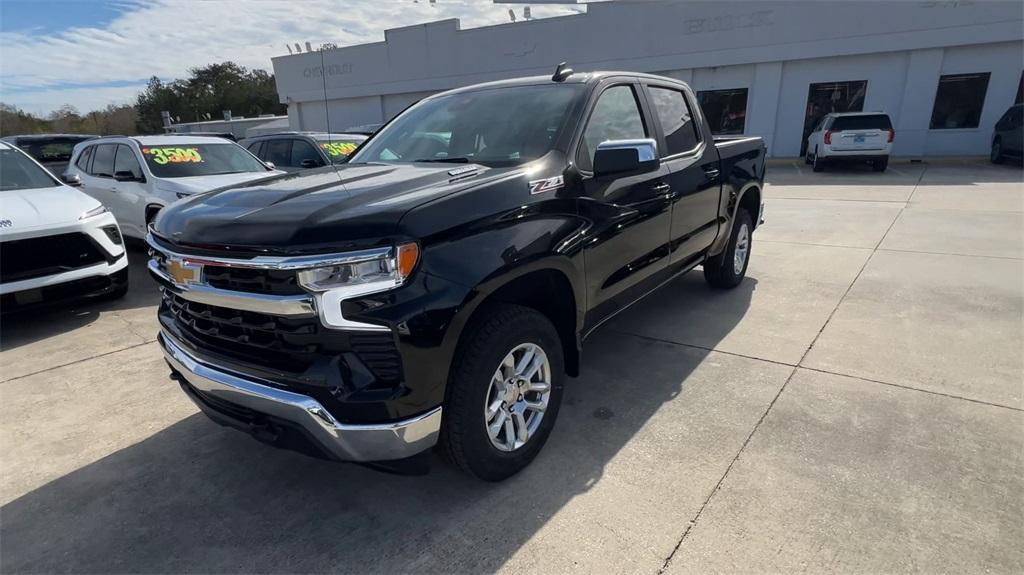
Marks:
<point>829,97</point>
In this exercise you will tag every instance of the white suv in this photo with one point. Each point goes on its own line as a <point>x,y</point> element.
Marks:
<point>851,137</point>
<point>136,176</point>
<point>56,243</point>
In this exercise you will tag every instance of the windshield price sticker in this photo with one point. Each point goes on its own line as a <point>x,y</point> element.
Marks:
<point>338,148</point>
<point>170,155</point>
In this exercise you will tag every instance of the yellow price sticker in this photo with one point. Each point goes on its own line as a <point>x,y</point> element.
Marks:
<point>335,149</point>
<point>170,155</point>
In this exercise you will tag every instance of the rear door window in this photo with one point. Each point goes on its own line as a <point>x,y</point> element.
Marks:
<point>103,162</point>
<point>84,157</point>
<point>871,122</point>
<point>676,121</point>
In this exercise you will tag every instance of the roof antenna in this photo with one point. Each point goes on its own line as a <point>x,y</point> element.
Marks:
<point>561,73</point>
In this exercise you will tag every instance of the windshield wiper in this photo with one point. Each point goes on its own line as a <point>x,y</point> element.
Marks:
<point>452,160</point>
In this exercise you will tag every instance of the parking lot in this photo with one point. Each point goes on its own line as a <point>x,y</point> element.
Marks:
<point>855,405</point>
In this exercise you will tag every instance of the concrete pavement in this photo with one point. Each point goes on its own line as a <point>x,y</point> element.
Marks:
<point>854,406</point>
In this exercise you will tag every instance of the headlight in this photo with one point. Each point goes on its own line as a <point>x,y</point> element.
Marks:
<point>377,272</point>
<point>93,212</point>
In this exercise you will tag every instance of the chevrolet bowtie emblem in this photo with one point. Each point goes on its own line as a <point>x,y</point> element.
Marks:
<point>184,273</point>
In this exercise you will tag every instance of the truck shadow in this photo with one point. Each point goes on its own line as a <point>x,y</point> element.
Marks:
<point>32,325</point>
<point>197,497</point>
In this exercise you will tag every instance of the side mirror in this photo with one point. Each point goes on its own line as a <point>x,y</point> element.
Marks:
<point>72,180</point>
<point>270,165</point>
<point>625,156</point>
<point>126,176</point>
<point>310,163</point>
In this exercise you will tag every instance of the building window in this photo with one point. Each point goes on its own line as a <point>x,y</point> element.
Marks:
<point>725,110</point>
<point>829,97</point>
<point>958,101</point>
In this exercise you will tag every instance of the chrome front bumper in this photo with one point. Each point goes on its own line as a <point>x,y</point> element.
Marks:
<point>347,442</point>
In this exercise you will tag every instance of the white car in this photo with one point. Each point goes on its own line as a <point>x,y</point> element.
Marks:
<point>851,137</point>
<point>136,176</point>
<point>56,243</point>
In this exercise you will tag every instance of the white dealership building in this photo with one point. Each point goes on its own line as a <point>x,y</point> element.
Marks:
<point>945,70</point>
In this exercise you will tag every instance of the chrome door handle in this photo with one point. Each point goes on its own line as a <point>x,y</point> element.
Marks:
<point>711,173</point>
<point>661,188</point>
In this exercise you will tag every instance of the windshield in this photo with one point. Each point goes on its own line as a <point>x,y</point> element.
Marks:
<point>496,127</point>
<point>19,173</point>
<point>339,147</point>
<point>185,160</point>
<point>50,149</point>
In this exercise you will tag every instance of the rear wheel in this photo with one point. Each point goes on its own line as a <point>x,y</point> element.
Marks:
<point>880,165</point>
<point>503,394</point>
<point>817,165</point>
<point>727,269</point>
<point>996,155</point>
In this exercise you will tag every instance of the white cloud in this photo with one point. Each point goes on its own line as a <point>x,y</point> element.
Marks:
<point>167,37</point>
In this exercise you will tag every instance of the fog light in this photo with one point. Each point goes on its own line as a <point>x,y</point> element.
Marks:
<point>114,234</point>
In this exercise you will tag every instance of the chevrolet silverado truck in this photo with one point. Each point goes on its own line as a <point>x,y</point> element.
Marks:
<point>435,290</point>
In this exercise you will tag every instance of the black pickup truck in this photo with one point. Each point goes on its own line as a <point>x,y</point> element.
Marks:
<point>435,289</point>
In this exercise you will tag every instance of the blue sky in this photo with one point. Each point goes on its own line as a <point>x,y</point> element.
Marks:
<point>91,53</point>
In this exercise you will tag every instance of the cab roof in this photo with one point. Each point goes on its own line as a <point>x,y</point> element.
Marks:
<point>177,140</point>
<point>575,78</point>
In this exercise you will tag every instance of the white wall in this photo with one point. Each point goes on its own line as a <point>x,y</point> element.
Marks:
<point>883,72</point>
<point>1004,62</point>
<point>774,48</point>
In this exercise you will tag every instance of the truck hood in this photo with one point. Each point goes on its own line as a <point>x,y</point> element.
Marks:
<point>40,208</point>
<point>322,210</point>
<point>196,184</point>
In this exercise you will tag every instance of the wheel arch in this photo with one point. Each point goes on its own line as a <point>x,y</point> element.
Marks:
<point>549,287</point>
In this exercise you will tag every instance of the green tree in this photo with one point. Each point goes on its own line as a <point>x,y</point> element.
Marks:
<point>206,94</point>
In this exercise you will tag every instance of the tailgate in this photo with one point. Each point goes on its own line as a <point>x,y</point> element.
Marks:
<point>851,140</point>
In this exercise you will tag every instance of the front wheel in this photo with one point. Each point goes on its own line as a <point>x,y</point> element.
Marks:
<point>504,392</point>
<point>727,269</point>
<point>996,154</point>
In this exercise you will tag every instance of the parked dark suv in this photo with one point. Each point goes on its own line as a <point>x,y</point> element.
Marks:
<point>53,151</point>
<point>294,151</point>
<point>1007,136</point>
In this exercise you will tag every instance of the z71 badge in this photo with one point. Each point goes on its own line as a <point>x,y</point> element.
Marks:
<point>546,185</point>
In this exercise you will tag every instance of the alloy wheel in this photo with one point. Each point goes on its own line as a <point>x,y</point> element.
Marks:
<point>517,397</point>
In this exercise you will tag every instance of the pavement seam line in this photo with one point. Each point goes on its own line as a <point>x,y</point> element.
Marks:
<point>891,250</point>
<point>77,361</point>
<point>912,388</point>
<point>815,369</point>
<point>718,485</point>
<point>700,347</point>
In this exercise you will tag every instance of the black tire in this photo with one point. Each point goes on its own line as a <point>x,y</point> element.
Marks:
<point>817,164</point>
<point>495,332</point>
<point>720,271</point>
<point>807,157</point>
<point>996,154</point>
<point>880,165</point>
